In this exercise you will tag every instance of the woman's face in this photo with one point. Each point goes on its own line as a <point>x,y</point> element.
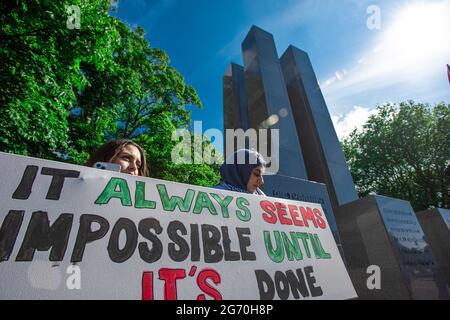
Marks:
<point>129,159</point>
<point>256,179</point>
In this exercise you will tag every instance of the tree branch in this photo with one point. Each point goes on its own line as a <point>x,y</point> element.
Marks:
<point>4,36</point>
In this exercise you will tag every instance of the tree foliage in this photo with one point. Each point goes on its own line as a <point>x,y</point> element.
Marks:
<point>40,70</point>
<point>64,92</point>
<point>160,145</point>
<point>402,152</point>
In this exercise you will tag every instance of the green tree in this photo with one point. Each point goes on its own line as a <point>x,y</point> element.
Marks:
<point>402,152</point>
<point>66,91</point>
<point>40,70</point>
<point>121,102</point>
<point>160,145</point>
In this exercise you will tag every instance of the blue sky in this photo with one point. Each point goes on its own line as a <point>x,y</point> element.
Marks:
<point>357,67</point>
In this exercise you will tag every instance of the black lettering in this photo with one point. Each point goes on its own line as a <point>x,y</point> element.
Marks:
<point>115,253</point>
<point>195,243</point>
<point>297,283</point>
<point>40,236</point>
<point>9,231</point>
<point>86,235</point>
<point>282,285</point>
<point>23,191</point>
<point>59,175</point>
<point>172,231</point>
<point>229,255</point>
<point>211,238</point>
<point>244,243</point>
<point>263,278</point>
<point>155,253</point>
<point>315,291</point>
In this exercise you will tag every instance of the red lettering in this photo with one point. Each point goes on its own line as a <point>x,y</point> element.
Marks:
<point>170,277</point>
<point>320,220</point>
<point>307,214</point>
<point>147,285</point>
<point>297,215</point>
<point>202,283</point>
<point>293,210</point>
<point>269,209</point>
<point>281,210</point>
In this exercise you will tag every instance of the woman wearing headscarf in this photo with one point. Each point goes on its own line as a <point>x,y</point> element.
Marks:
<point>243,172</point>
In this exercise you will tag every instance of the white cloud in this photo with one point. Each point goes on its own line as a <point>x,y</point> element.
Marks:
<point>356,118</point>
<point>412,51</point>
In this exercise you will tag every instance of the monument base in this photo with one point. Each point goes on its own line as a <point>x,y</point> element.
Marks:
<point>386,252</point>
<point>436,226</point>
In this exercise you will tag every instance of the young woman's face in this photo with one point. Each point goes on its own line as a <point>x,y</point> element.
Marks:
<point>129,159</point>
<point>256,179</point>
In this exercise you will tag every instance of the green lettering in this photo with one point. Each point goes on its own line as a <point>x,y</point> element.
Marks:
<point>292,248</point>
<point>314,246</point>
<point>245,214</point>
<point>139,197</point>
<point>304,236</point>
<point>203,202</point>
<point>276,255</point>
<point>169,204</point>
<point>111,191</point>
<point>223,204</point>
<point>323,253</point>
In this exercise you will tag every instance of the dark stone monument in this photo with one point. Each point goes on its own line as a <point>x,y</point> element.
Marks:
<point>266,95</point>
<point>385,232</point>
<point>325,162</point>
<point>436,226</point>
<point>323,155</point>
<point>375,231</point>
<point>235,115</point>
<point>262,94</point>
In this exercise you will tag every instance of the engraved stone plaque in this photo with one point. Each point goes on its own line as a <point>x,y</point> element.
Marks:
<point>384,232</point>
<point>436,226</point>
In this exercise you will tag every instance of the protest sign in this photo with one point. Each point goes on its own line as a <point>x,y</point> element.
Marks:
<point>72,232</point>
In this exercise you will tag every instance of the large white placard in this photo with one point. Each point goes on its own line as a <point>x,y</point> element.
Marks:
<point>71,232</point>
